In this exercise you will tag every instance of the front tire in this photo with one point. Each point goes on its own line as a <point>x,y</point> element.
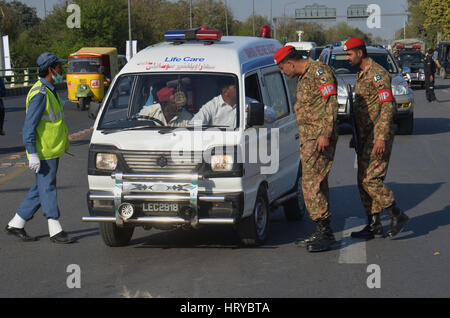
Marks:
<point>443,73</point>
<point>115,236</point>
<point>295,209</point>
<point>84,103</point>
<point>253,229</point>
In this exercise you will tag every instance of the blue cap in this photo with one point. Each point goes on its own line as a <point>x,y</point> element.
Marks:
<point>46,59</point>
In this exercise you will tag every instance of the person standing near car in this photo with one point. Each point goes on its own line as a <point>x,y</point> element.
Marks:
<point>374,108</point>
<point>430,70</point>
<point>316,113</point>
<point>45,138</point>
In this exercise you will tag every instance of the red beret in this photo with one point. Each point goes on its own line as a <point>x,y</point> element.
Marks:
<point>353,42</point>
<point>164,93</point>
<point>282,53</point>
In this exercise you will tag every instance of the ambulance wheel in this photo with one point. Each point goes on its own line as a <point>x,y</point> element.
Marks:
<point>295,208</point>
<point>253,229</point>
<point>115,236</point>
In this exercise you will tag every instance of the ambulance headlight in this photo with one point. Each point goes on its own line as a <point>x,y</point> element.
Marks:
<point>400,89</point>
<point>342,91</point>
<point>222,162</point>
<point>106,161</point>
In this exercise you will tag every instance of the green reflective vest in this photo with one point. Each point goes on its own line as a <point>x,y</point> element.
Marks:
<point>52,137</point>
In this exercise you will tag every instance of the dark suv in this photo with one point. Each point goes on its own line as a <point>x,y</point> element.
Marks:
<point>346,75</point>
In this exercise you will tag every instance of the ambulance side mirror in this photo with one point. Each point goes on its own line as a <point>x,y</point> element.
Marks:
<point>255,114</point>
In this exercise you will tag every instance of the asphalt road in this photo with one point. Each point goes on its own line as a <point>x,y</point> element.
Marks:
<point>209,262</point>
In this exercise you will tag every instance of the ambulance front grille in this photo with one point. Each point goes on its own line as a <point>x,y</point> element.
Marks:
<point>162,161</point>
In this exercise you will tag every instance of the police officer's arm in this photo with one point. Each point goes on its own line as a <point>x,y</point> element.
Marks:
<point>382,128</point>
<point>36,108</point>
<point>328,91</point>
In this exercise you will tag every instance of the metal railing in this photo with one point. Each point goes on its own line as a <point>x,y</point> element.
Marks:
<point>17,76</point>
<point>21,76</point>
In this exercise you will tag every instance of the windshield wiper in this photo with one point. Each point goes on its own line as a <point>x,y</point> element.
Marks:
<point>113,130</point>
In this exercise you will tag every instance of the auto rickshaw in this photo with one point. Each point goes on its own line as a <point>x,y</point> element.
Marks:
<point>90,72</point>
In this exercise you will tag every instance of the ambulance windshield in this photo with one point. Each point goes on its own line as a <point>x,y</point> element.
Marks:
<point>172,100</point>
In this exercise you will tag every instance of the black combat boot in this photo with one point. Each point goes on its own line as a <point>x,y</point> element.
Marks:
<point>324,238</point>
<point>311,238</point>
<point>371,230</point>
<point>398,220</point>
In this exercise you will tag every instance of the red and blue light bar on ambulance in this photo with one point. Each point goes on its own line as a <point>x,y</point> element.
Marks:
<point>197,34</point>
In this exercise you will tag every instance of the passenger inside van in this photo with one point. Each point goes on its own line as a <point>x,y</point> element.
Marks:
<point>169,111</point>
<point>222,110</point>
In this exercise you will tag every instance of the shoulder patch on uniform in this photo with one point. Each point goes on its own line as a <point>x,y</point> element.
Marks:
<point>377,78</point>
<point>42,90</point>
<point>320,72</point>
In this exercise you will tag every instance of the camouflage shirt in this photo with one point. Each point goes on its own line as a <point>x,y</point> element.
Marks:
<point>316,107</point>
<point>374,106</point>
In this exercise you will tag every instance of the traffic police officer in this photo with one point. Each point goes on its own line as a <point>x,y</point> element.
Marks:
<point>374,107</point>
<point>316,113</point>
<point>430,69</point>
<point>45,137</point>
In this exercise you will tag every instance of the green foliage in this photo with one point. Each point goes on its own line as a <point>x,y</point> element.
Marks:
<point>426,19</point>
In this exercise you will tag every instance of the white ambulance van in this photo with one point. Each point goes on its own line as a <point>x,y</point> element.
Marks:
<point>171,147</point>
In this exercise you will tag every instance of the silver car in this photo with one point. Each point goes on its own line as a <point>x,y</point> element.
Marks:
<point>346,75</point>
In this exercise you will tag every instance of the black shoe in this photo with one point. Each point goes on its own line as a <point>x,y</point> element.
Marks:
<point>20,233</point>
<point>371,230</point>
<point>61,238</point>
<point>398,220</point>
<point>305,241</point>
<point>2,132</point>
<point>324,239</point>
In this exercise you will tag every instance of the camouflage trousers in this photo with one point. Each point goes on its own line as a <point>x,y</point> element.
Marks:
<point>315,169</point>
<point>372,170</point>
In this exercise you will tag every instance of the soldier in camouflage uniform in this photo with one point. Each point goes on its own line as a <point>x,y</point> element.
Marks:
<point>374,108</point>
<point>316,113</point>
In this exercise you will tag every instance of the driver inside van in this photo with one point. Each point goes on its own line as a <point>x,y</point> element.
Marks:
<point>222,110</point>
<point>169,111</point>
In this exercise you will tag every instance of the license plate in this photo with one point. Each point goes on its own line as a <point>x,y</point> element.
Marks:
<point>159,207</point>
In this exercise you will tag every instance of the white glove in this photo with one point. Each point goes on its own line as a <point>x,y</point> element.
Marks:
<point>34,163</point>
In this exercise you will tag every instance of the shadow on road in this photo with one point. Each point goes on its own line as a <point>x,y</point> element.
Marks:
<point>72,234</point>
<point>426,223</point>
<point>14,109</point>
<point>431,126</point>
<point>9,150</point>
<point>345,203</point>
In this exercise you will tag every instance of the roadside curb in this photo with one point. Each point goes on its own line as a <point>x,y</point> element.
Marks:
<point>23,90</point>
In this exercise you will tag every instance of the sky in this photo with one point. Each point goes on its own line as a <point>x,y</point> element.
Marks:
<point>242,9</point>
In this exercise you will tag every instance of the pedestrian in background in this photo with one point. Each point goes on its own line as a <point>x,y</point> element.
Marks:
<point>374,109</point>
<point>45,137</point>
<point>316,113</point>
<point>2,107</point>
<point>430,70</point>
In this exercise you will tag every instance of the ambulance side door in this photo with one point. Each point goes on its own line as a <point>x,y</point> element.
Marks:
<point>276,94</point>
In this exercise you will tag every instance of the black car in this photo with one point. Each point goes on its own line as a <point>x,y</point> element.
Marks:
<point>315,52</point>
<point>412,63</point>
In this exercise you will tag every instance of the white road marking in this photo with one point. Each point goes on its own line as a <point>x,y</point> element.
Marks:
<point>355,164</point>
<point>353,251</point>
